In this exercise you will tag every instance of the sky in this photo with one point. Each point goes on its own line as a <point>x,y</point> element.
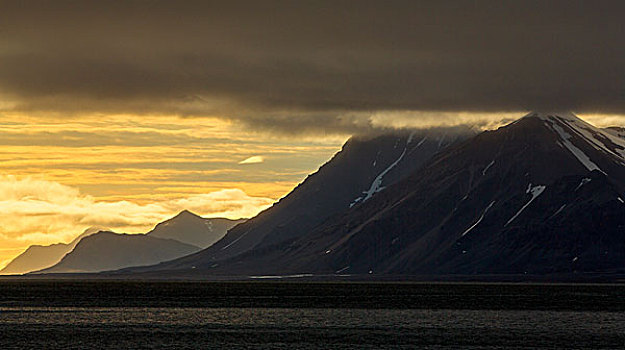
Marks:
<point>59,177</point>
<point>121,114</point>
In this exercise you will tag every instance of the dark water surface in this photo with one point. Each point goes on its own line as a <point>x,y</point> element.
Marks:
<point>178,315</point>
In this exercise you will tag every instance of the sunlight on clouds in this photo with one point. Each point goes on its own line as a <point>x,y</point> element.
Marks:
<point>228,203</point>
<point>429,119</point>
<point>129,156</point>
<point>130,172</point>
<point>481,120</point>
<point>252,160</point>
<point>36,211</point>
<point>604,120</point>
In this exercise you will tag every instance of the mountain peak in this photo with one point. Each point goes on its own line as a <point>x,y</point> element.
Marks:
<point>190,228</point>
<point>90,231</point>
<point>581,139</point>
<point>186,213</point>
<point>546,115</point>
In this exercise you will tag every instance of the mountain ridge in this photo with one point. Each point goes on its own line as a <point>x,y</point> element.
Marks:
<point>107,250</point>
<point>186,228</point>
<point>486,205</point>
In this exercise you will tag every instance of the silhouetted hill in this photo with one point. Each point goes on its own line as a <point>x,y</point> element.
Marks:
<point>38,257</point>
<point>193,229</point>
<point>110,251</point>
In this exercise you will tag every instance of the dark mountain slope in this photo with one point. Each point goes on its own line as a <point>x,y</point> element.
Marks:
<point>364,167</point>
<point>541,195</point>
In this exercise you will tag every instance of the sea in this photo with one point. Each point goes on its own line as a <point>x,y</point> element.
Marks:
<point>280,315</point>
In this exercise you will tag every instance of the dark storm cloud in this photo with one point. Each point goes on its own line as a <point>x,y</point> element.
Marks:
<point>301,64</point>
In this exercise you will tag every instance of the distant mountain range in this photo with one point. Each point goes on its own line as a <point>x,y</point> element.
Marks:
<point>38,257</point>
<point>183,234</point>
<point>111,251</point>
<point>542,195</point>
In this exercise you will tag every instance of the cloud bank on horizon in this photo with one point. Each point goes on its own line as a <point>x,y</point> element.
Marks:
<point>130,173</point>
<point>38,211</point>
<point>305,66</point>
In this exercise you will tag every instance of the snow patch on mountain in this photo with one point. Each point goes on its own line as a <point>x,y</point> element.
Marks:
<point>478,220</point>
<point>607,141</point>
<point>615,131</point>
<point>342,270</point>
<point>596,137</point>
<point>582,183</point>
<point>236,240</point>
<point>535,192</point>
<point>557,212</point>
<point>209,225</point>
<point>376,185</point>
<point>578,153</point>
<point>410,137</point>
<point>488,167</point>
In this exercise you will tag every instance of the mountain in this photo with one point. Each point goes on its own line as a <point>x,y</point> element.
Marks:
<point>110,251</point>
<point>544,195</point>
<point>192,229</point>
<point>364,166</point>
<point>38,257</point>
<point>183,234</point>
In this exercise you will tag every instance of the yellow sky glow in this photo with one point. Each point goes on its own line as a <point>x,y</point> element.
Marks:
<point>60,176</point>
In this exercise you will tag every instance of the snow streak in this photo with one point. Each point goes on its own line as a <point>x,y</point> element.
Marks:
<point>584,181</point>
<point>376,185</point>
<point>578,153</point>
<point>535,191</point>
<point>488,167</point>
<point>478,220</point>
